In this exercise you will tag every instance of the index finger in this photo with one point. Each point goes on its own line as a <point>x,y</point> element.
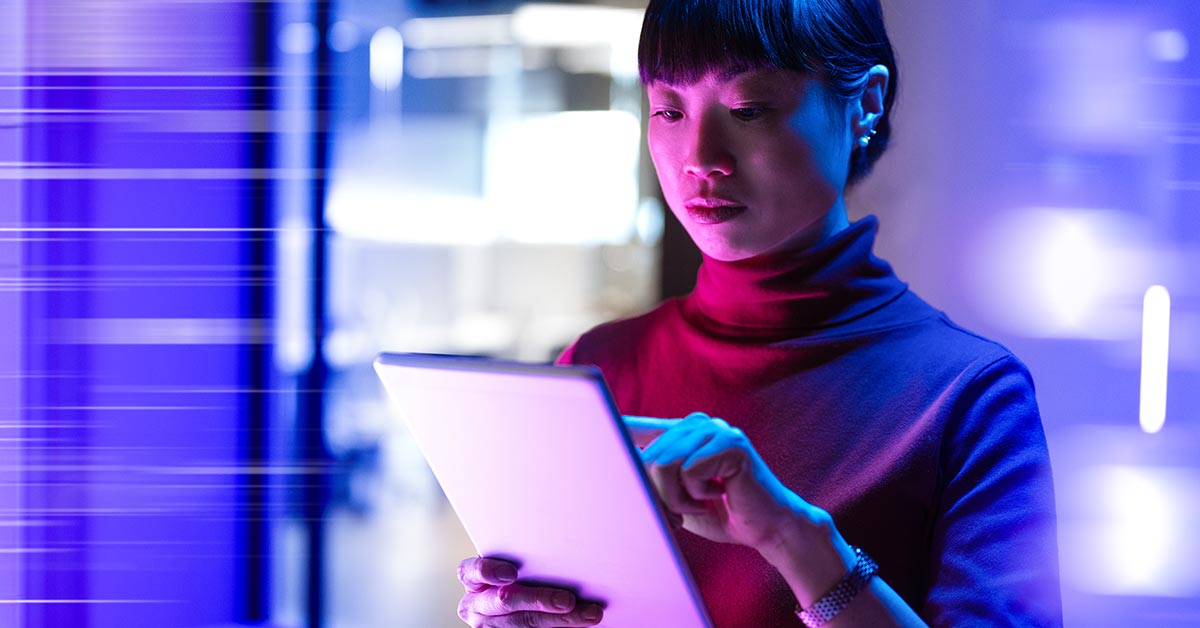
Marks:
<point>644,429</point>
<point>477,574</point>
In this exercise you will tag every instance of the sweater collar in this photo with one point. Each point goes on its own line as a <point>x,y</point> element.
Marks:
<point>833,284</point>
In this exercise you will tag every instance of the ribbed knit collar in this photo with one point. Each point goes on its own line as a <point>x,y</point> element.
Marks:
<point>796,293</point>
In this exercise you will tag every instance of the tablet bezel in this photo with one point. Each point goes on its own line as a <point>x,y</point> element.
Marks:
<point>391,368</point>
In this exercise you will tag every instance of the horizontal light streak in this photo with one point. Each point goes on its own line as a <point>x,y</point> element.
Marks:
<point>140,88</point>
<point>44,426</point>
<point>126,112</point>
<point>217,120</point>
<point>126,408</point>
<point>86,601</point>
<point>102,283</point>
<point>26,174</point>
<point>148,230</point>
<point>160,331</point>
<point>198,390</point>
<point>221,73</point>
<point>167,470</point>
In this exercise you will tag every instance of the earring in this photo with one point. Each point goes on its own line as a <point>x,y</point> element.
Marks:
<point>866,139</point>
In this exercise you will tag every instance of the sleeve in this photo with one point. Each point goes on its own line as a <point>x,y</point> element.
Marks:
<point>994,558</point>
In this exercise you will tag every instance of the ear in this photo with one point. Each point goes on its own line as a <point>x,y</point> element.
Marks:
<point>866,110</point>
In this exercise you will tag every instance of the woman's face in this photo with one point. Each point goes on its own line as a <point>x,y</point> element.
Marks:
<point>751,162</point>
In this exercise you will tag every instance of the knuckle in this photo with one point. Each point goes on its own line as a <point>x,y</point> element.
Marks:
<point>506,596</point>
<point>464,610</point>
<point>464,569</point>
<point>821,518</point>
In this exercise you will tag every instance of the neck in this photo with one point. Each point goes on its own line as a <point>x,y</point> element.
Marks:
<point>833,282</point>
<point>832,223</point>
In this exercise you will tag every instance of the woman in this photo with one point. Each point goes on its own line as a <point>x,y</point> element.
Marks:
<point>855,413</point>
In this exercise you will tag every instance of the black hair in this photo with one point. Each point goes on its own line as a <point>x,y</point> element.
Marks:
<point>838,40</point>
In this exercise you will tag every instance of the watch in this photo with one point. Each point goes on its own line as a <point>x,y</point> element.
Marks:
<point>837,599</point>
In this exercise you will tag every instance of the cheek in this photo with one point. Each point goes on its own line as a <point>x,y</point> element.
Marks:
<point>821,145</point>
<point>664,162</point>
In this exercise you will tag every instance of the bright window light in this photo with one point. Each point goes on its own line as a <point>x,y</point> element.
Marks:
<point>458,31</point>
<point>1063,273</point>
<point>575,25</point>
<point>1156,322</point>
<point>565,177</point>
<point>1168,45</point>
<point>1129,532</point>
<point>1139,528</point>
<point>387,59</point>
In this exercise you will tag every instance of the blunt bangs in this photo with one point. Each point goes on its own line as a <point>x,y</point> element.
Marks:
<point>838,40</point>
<point>683,40</point>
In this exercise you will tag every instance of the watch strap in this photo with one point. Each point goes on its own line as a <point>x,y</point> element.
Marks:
<point>832,603</point>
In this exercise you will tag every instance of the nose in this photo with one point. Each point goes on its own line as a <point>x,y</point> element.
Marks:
<point>709,152</point>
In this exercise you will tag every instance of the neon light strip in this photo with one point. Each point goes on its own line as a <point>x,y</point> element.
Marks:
<point>1156,322</point>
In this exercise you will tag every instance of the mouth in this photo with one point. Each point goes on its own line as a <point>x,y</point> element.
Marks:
<point>711,211</point>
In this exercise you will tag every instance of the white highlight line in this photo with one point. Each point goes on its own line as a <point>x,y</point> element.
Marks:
<point>11,174</point>
<point>1156,322</point>
<point>85,601</point>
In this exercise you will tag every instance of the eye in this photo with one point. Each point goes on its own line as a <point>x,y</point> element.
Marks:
<point>747,114</point>
<point>669,115</point>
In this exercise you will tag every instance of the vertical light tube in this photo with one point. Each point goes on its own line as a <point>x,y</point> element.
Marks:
<point>1156,323</point>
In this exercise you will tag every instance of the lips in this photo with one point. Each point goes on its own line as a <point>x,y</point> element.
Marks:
<point>711,210</point>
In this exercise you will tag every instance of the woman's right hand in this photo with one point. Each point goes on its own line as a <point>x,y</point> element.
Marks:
<point>494,599</point>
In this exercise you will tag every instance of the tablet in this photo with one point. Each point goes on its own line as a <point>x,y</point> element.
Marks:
<point>535,461</point>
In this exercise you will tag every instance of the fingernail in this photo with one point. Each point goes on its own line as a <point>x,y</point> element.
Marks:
<point>591,613</point>
<point>562,601</point>
<point>506,573</point>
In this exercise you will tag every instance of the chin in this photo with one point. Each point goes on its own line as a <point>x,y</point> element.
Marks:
<point>727,251</point>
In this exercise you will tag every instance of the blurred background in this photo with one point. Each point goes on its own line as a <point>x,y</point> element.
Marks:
<point>214,214</point>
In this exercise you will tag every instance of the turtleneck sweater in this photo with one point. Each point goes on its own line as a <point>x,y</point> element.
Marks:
<point>921,439</point>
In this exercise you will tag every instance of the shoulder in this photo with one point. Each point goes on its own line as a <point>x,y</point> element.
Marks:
<point>993,388</point>
<point>616,340</point>
<point>934,339</point>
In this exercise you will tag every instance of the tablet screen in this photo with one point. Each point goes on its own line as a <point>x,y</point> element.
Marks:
<point>537,465</point>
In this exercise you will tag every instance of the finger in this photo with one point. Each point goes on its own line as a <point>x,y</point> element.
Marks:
<point>676,445</point>
<point>587,615</point>
<point>671,490</point>
<point>705,479</point>
<point>512,598</point>
<point>644,429</point>
<point>714,464</point>
<point>477,574</point>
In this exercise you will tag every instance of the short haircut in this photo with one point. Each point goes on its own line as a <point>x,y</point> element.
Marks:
<point>837,40</point>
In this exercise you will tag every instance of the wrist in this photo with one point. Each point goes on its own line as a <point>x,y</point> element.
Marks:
<point>837,599</point>
<point>810,554</point>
